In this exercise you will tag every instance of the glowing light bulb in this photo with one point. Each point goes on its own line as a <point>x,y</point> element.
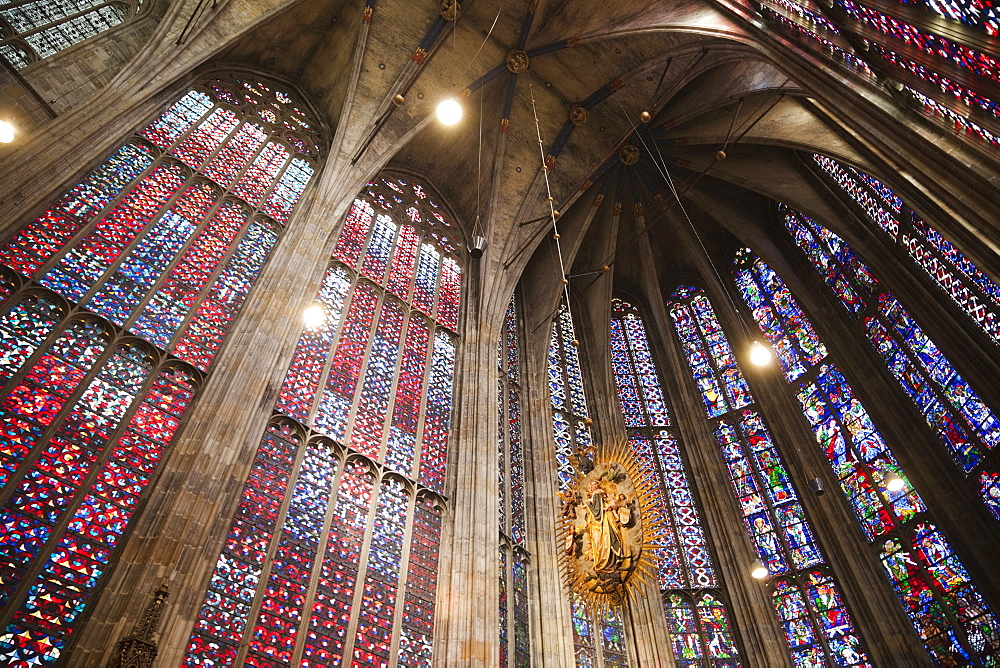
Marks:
<point>6,132</point>
<point>449,111</point>
<point>314,316</point>
<point>759,353</point>
<point>894,483</point>
<point>758,570</point>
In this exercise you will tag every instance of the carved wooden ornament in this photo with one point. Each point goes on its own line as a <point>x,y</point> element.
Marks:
<point>607,528</point>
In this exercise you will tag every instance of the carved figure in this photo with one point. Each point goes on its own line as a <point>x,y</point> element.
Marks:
<point>604,529</point>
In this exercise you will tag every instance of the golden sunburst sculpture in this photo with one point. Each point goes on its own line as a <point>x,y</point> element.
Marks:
<point>608,528</point>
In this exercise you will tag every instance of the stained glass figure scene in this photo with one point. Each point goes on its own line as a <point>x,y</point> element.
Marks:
<point>515,650</point>
<point>818,627</point>
<point>686,573</point>
<point>967,428</point>
<point>153,252</point>
<point>947,610</point>
<point>954,273</point>
<point>332,556</point>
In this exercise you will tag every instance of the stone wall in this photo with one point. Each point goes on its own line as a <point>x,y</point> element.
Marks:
<point>69,78</point>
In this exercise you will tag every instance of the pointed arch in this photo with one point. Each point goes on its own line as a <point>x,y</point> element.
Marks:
<point>325,582</point>
<point>683,557</point>
<point>126,287</point>
<point>775,520</point>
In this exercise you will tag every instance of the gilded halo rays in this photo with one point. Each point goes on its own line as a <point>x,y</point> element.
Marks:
<point>608,528</point>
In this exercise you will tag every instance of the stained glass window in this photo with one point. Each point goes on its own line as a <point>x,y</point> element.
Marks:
<point>40,28</point>
<point>806,20</point>
<point>597,640</point>
<point>951,78</point>
<point>966,426</point>
<point>570,415</point>
<point>347,540</point>
<point>959,54</point>
<point>162,251</point>
<point>514,639</point>
<point>973,291</point>
<point>683,558</point>
<point>935,109</point>
<point>807,601</point>
<point>957,629</point>
<point>145,247</point>
<point>983,15</point>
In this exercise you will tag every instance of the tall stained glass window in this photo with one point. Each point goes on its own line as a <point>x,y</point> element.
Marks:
<point>943,603</point>
<point>967,428</point>
<point>805,18</point>
<point>598,640</point>
<point>115,300</point>
<point>972,290</point>
<point>332,556</point>
<point>515,650</point>
<point>35,29</point>
<point>812,612</point>
<point>937,62</point>
<point>696,615</point>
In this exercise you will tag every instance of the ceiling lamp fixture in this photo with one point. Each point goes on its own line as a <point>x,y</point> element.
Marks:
<point>758,571</point>
<point>314,316</point>
<point>894,483</point>
<point>759,354</point>
<point>449,111</point>
<point>478,245</point>
<point>6,132</point>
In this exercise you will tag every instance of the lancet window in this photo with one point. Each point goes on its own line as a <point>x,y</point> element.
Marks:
<point>934,587</point>
<point>966,426</point>
<point>511,456</point>
<point>940,74</point>
<point>116,299</point>
<point>807,600</point>
<point>332,555</point>
<point>598,640</point>
<point>697,619</point>
<point>972,290</point>
<point>34,29</point>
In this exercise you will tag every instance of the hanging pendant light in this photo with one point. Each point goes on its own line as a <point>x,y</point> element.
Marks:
<point>314,316</point>
<point>894,483</point>
<point>478,246</point>
<point>758,570</point>
<point>760,354</point>
<point>449,111</point>
<point>6,132</point>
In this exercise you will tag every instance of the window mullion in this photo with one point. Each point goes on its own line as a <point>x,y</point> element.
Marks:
<point>359,388</point>
<point>59,527</point>
<point>54,23</point>
<point>425,390</point>
<point>317,567</point>
<point>265,570</point>
<point>378,480</point>
<point>87,227</point>
<point>71,318</point>
<point>190,180</point>
<point>395,373</point>
<point>203,293</point>
<point>404,575</point>
<point>331,354</point>
<point>207,218</point>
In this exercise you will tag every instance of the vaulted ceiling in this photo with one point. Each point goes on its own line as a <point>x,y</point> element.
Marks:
<point>710,73</point>
<point>691,65</point>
